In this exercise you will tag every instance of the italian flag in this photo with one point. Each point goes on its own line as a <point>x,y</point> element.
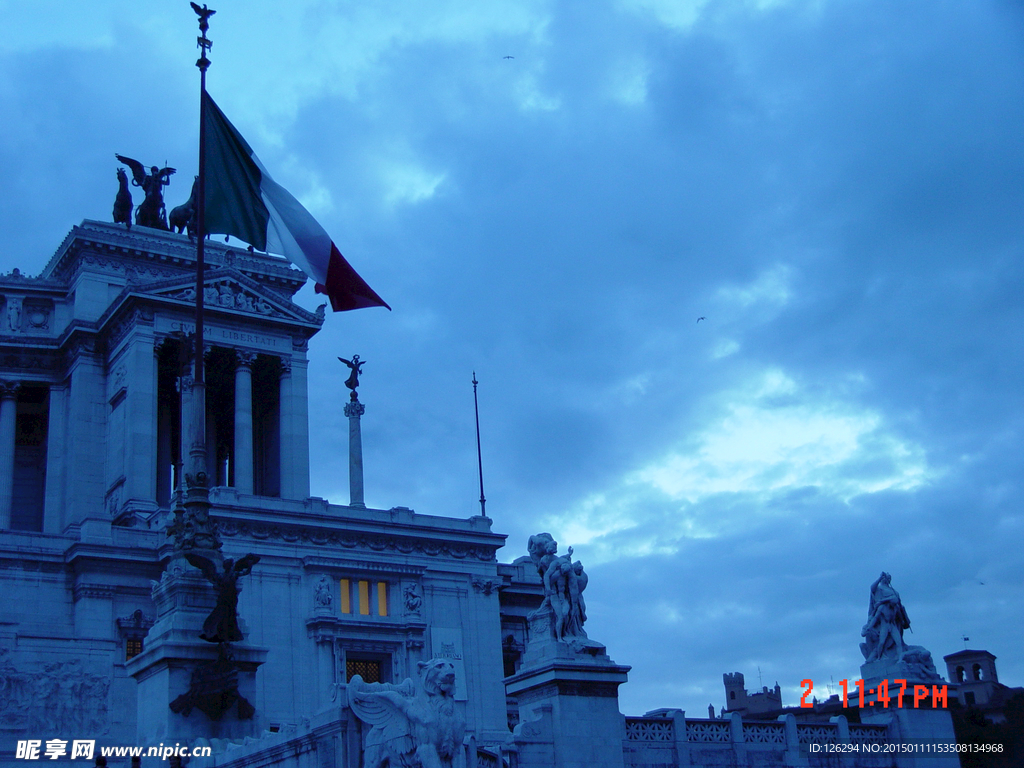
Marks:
<point>244,202</point>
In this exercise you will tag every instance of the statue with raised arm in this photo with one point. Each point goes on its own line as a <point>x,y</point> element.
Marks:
<point>221,626</point>
<point>564,582</point>
<point>413,726</point>
<point>152,212</point>
<point>887,618</point>
<point>355,367</point>
<point>883,636</point>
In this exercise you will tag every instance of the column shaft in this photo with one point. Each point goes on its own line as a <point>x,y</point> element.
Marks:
<point>354,410</point>
<point>8,413</point>
<point>243,423</point>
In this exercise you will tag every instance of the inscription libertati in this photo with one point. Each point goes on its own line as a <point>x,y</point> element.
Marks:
<point>227,334</point>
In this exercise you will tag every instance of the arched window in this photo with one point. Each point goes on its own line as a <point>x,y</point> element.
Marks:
<point>977,671</point>
<point>960,675</point>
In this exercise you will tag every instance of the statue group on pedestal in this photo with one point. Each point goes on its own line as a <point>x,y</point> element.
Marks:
<point>564,582</point>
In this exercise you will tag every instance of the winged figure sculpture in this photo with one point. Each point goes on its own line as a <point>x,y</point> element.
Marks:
<point>221,626</point>
<point>413,726</point>
<point>152,212</point>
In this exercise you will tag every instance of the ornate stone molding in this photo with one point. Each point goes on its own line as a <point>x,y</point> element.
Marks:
<point>314,562</point>
<point>486,586</point>
<point>245,358</point>
<point>356,541</point>
<point>135,625</point>
<point>29,360</point>
<point>95,591</point>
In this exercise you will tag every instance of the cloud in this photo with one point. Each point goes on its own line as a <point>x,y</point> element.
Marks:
<point>759,443</point>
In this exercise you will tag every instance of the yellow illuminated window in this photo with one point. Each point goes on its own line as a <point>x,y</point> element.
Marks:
<point>382,598</point>
<point>346,597</point>
<point>364,598</point>
<point>132,648</point>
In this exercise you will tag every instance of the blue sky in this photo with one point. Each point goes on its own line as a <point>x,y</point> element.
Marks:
<point>837,187</point>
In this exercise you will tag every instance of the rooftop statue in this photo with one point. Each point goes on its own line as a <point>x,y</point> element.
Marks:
<point>123,202</point>
<point>183,217</point>
<point>883,634</point>
<point>411,727</point>
<point>152,212</point>
<point>355,366</point>
<point>221,626</point>
<point>564,582</point>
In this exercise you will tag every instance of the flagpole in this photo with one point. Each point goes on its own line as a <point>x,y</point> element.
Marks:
<point>200,534</point>
<point>479,456</point>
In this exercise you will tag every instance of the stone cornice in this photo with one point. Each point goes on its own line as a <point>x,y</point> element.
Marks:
<point>146,250</point>
<point>443,546</point>
<point>314,562</point>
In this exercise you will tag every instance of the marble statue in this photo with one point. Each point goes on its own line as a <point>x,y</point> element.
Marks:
<point>413,726</point>
<point>322,593</point>
<point>887,618</point>
<point>221,626</point>
<point>883,637</point>
<point>564,582</point>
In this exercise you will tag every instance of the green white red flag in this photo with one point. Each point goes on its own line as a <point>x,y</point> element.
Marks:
<point>244,202</point>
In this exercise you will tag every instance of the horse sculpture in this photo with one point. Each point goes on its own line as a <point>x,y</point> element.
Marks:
<point>183,217</point>
<point>123,201</point>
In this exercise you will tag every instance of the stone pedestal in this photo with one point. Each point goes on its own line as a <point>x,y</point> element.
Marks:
<point>167,668</point>
<point>568,703</point>
<point>925,720</point>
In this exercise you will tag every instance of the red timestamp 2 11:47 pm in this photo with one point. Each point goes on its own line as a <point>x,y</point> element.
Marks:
<point>881,695</point>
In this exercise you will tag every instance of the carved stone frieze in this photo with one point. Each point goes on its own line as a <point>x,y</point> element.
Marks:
<point>55,697</point>
<point>228,294</point>
<point>355,541</point>
<point>29,360</point>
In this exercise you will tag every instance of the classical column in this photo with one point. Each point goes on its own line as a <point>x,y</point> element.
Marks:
<point>354,410</point>
<point>286,432</point>
<point>8,412</point>
<point>185,386</point>
<point>243,422</point>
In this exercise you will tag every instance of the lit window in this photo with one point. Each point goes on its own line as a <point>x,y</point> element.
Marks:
<point>346,596</point>
<point>364,598</point>
<point>132,648</point>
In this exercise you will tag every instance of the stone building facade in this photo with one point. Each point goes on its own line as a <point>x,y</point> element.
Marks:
<point>94,404</point>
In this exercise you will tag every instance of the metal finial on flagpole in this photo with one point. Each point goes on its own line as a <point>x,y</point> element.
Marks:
<point>479,456</point>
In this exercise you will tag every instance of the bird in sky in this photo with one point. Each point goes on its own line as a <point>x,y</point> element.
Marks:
<point>508,57</point>
<point>701,318</point>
